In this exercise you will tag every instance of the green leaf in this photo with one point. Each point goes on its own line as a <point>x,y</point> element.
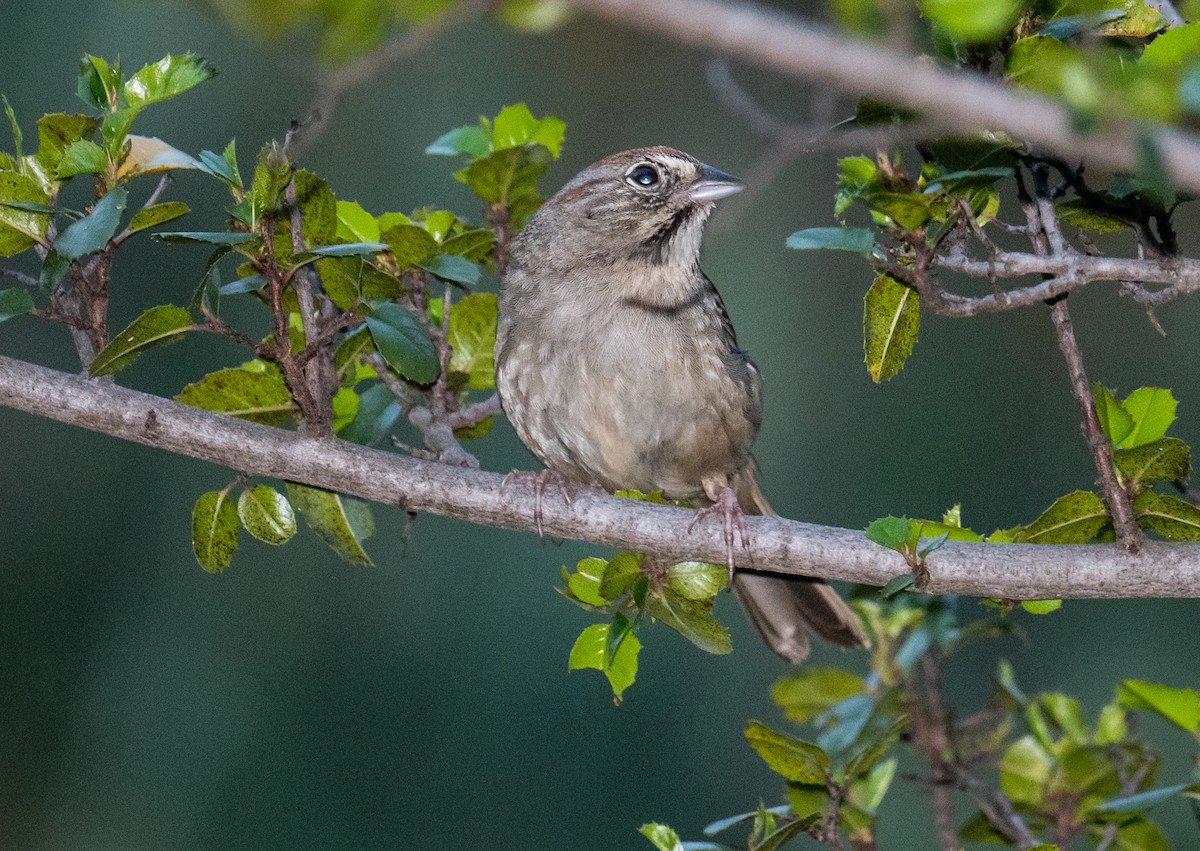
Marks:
<point>788,832</point>
<point>967,179</point>
<point>451,267</point>
<point>891,532</point>
<point>81,157</point>
<point>1073,519</point>
<point>248,284</point>
<point>98,82</point>
<point>155,327</point>
<point>663,837</point>
<point>585,581</point>
<point>266,514</point>
<point>148,217</point>
<point>591,650</point>
<point>1172,518</point>
<point>59,133</point>
<point>342,249</point>
<point>410,244</point>
<point>875,748</point>
<point>869,792</point>
<point>318,209</point>
<point>1041,607</point>
<point>403,342</point>
<point>1153,411</point>
<point>214,530</point>
<point>1140,20</point>
<point>1111,726</point>
<point>891,320</point>
<point>1115,421</point>
<point>1070,26</point>
<point>93,231</point>
<point>255,392</point>
<point>536,16</point>
<point>1024,771</point>
<point>1151,170</point>
<point>973,20</point>
<point>696,580</point>
<point>472,337</point>
<point>1140,835</point>
<point>1178,705</point>
<point>20,229</point>
<point>271,174</point>
<point>475,244</point>
<point>896,584</point>
<point>341,522</point>
<point>1166,458</point>
<point>620,573</point>
<point>223,167</point>
<point>1173,48</point>
<point>170,76</point>
<point>378,411</point>
<point>515,126</point>
<point>694,621</point>
<point>208,237</point>
<point>807,692</point>
<point>472,140</point>
<point>795,759</point>
<point>355,224</point>
<point>505,175</point>
<point>15,301</point>
<point>1077,212</point>
<point>858,240</point>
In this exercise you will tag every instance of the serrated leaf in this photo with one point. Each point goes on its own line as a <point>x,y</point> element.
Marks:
<point>271,174</point>
<point>1172,518</point>
<point>1167,458</point>
<point>694,621</point>
<point>1178,705</point>
<point>166,78</point>
<point>157,326</point>
<point>585,581</point>
<point>620,573</point>
<point>795,759</point>
<point>258,394</point>
<point>890,532</point>
<point>93,231</point>
<point>19,228</point>
<point>891,320</point>
<point>82,156</point>
<point>1115,421</point>
<point>591,650</point>
<point>472,337</point>
<point>1153,411</point>
<point>505,175</point>
<point>472,140</point>
<point>858,240</point>
<point>148,217</point>
<point>98,82</point>
<point>214,530</point>
<point>807,692</point>
<point>15,301</point>
<point>1073,519</point>
<point>697,580</point>
<point>342,522</point>
<point>266,514</point>
<point>56,133</point>
<point>318,209</point>
<point>515,126</point>
<point>221,167</point>
<point>403,342</point>
<point>663,837</point>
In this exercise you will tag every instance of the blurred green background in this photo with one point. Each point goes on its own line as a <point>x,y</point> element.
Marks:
<point>425,703</point>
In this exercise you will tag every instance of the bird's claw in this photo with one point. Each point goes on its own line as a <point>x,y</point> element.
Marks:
<point>540,481</point>
<point>733,520</point>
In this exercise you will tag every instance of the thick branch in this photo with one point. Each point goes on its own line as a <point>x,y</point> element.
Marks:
<point>958,101</point>
<point>779,545</point>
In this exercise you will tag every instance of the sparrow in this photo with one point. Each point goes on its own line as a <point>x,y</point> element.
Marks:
<point>618,366</point>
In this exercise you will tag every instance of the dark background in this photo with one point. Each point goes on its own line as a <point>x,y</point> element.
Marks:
<point>294,701</point>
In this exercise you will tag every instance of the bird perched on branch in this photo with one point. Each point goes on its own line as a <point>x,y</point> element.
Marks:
<point>618,366</point>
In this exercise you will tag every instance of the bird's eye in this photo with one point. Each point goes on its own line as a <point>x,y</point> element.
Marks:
<point>644,175</point>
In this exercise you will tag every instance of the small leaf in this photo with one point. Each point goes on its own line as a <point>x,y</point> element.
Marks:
<point>875,748</point>
<point>342,249</point>
<point>620,573</point>
<point>1142,801</point>
<point>795,759</point>
<point>158,325</point>
<point>266,514</point>
<point>170,76</point>
<point>451,267</point>
<point>93,231</point>
<point>585,581</point>
<point>1172,518</point>
<point>663,837</point>
<point>146,154</point>
<point>858,240</point>
<point>355,224</point>
<point>214,530</point>
<point>156,215</point>
<point>1024,771</point>
<point>1115,421</point>
<point>890,532</point>
<point>15,301</point>
<point>1167,458</point>
<point>1070,26</point>
<point>1041,607</point>
<point>222,168</point>
<point>1153,411</point>
<point>472,139</point>
<point>403,342</point>
<point>1073,519</point>
<point>341,522</point>
<point>694,621</point>
<point>209,237</point>
<point>591,650</point>
<point>896,584</point>
<point>472,338</point>
<point>20,228</point>
<point>972,20</point>
<point>410,244</point>
<point>891,320</point>
<point>696,580</point>
<point>807,692</point>
<point>1077,212</point>
<point>378,411</point>
<point>82,156</point>
<point>515,126</point>
<point>1179,705</point>
<point>248,284</point>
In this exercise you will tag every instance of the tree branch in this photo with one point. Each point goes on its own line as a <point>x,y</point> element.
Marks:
<point>1013,571</point>
<point>957,101</point>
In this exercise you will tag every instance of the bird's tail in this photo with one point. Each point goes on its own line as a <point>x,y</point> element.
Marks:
<point>784,609</point>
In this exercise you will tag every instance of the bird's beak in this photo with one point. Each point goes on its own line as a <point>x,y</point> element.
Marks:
<point>713,184</point>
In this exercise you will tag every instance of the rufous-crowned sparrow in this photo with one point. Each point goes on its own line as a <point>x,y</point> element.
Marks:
<point>618,366</point>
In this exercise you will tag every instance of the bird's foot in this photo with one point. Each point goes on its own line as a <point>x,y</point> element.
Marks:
<point>540,481</point>
<point>733,520</point>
